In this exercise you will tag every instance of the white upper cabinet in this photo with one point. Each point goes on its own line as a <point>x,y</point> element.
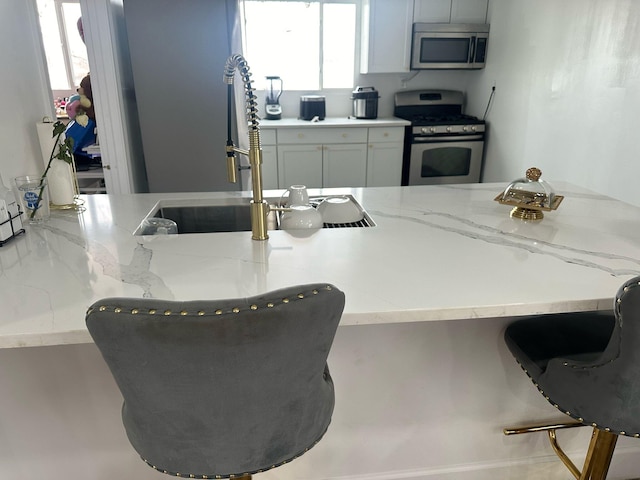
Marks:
<point>450,11</point>
<point>385,45</point>
<point>386,36</point>
<point>432,11</point>
<point>469,11</point>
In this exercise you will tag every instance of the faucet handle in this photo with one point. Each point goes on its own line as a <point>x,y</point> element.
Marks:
<point>231,163</point>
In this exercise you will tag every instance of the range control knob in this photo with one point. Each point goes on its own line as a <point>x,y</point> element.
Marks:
<point>465,128</point>
<point>473,129</point>
<point>448,129</point>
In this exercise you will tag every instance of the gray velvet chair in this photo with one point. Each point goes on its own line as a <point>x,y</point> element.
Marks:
<point>587,365</point>
<point>222,388</point>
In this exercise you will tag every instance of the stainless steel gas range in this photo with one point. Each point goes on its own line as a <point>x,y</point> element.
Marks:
<point>442,145</point>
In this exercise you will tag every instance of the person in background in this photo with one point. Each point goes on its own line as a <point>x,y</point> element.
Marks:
<point>80,109</point>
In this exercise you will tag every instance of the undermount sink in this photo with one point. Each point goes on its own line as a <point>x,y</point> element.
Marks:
<point>224,215</point>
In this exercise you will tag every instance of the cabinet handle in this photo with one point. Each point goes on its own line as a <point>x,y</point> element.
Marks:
<point>106,167</point>
<point>344,135</point>
<point>386,134</point>
<point>301,135</point>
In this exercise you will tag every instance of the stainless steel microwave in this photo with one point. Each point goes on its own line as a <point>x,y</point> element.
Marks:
<point>449,46</point>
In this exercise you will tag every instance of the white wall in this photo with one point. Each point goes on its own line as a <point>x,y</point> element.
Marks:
<point>567,90</point>
<point>23,83</point>
<point>567,78</point>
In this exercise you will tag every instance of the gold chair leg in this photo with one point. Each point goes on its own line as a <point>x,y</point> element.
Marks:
<point>561,455</point>
<point>598,459</point>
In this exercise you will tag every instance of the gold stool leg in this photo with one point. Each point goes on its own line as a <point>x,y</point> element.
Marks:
<point>598,459</point>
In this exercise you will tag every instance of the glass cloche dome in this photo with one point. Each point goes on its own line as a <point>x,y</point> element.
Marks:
<point>530,196</point>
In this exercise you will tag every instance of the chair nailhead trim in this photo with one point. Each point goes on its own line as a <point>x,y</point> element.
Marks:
<point>153,311</point>
<point>233,475</point>
<point>566,412</point>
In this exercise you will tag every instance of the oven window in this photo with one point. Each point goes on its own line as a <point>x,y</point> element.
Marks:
<point>444,50</point>
<point>445,162</point>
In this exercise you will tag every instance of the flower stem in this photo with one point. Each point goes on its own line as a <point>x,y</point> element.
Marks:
<point>56,127</point>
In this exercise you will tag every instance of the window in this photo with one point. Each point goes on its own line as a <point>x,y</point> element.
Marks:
<point>64,48</point>
<point>309,44</point>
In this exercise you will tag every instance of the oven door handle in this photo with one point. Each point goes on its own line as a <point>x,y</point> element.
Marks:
<point>448,138</point>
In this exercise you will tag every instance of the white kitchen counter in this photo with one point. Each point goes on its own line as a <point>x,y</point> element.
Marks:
<point>437,253</point>
<point>346,122</point>
<point>424,382</point>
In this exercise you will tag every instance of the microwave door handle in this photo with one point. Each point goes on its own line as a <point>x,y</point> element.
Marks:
<point>472,50</point>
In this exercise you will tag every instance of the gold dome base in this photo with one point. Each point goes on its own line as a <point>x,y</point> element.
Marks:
<point>527,214</point>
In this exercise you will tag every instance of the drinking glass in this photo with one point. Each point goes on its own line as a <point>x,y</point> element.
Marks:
<point>33,193</point>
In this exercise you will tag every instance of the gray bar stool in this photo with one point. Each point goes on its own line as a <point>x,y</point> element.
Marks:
<point>222,388</point>
<point>587,365</point>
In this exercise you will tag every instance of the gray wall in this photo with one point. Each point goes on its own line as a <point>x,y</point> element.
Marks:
<point>178,51</point>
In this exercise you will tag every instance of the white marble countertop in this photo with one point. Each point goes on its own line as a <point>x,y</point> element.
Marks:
<point>334,122</point>
<point>436,253</point>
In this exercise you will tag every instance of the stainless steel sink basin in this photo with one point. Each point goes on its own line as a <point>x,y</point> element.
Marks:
<point>212,218</point>
<point>223,215</point>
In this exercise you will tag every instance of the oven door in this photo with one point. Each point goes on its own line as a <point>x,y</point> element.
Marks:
<point>440,160</point>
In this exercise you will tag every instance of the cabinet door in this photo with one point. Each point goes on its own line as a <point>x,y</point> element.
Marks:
<point>386,36</point>
<point>269,167</point>
<point>450,11</point>
<point>432,11</point>
<point>469,11</point>
<point>344,165</point>
<point>384,164</point>
<point>300,165</point>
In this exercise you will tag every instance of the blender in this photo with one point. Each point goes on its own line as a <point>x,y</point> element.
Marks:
<point>272,105</point>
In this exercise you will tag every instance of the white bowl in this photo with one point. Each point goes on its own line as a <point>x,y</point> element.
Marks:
<point>339,209</point>
<point>301,217</point>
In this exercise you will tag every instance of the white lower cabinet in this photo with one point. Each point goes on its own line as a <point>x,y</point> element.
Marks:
<point>269,160</point>
<point>384,156</point>
<point>344,165</point>
<point>384,164</point>
<point>338,157</point>
<point>316,166</point>
<point>300,165</point>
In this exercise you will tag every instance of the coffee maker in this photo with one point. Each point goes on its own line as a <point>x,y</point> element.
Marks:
<point>272,99</point>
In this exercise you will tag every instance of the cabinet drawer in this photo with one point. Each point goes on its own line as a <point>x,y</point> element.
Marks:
<point>388,134</point>
<point>294,136</point>
<point>267,136</point>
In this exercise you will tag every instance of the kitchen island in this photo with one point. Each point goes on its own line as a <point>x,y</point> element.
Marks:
<point>423,382</point>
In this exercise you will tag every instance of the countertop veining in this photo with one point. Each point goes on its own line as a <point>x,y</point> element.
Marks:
<point>437,253</point>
